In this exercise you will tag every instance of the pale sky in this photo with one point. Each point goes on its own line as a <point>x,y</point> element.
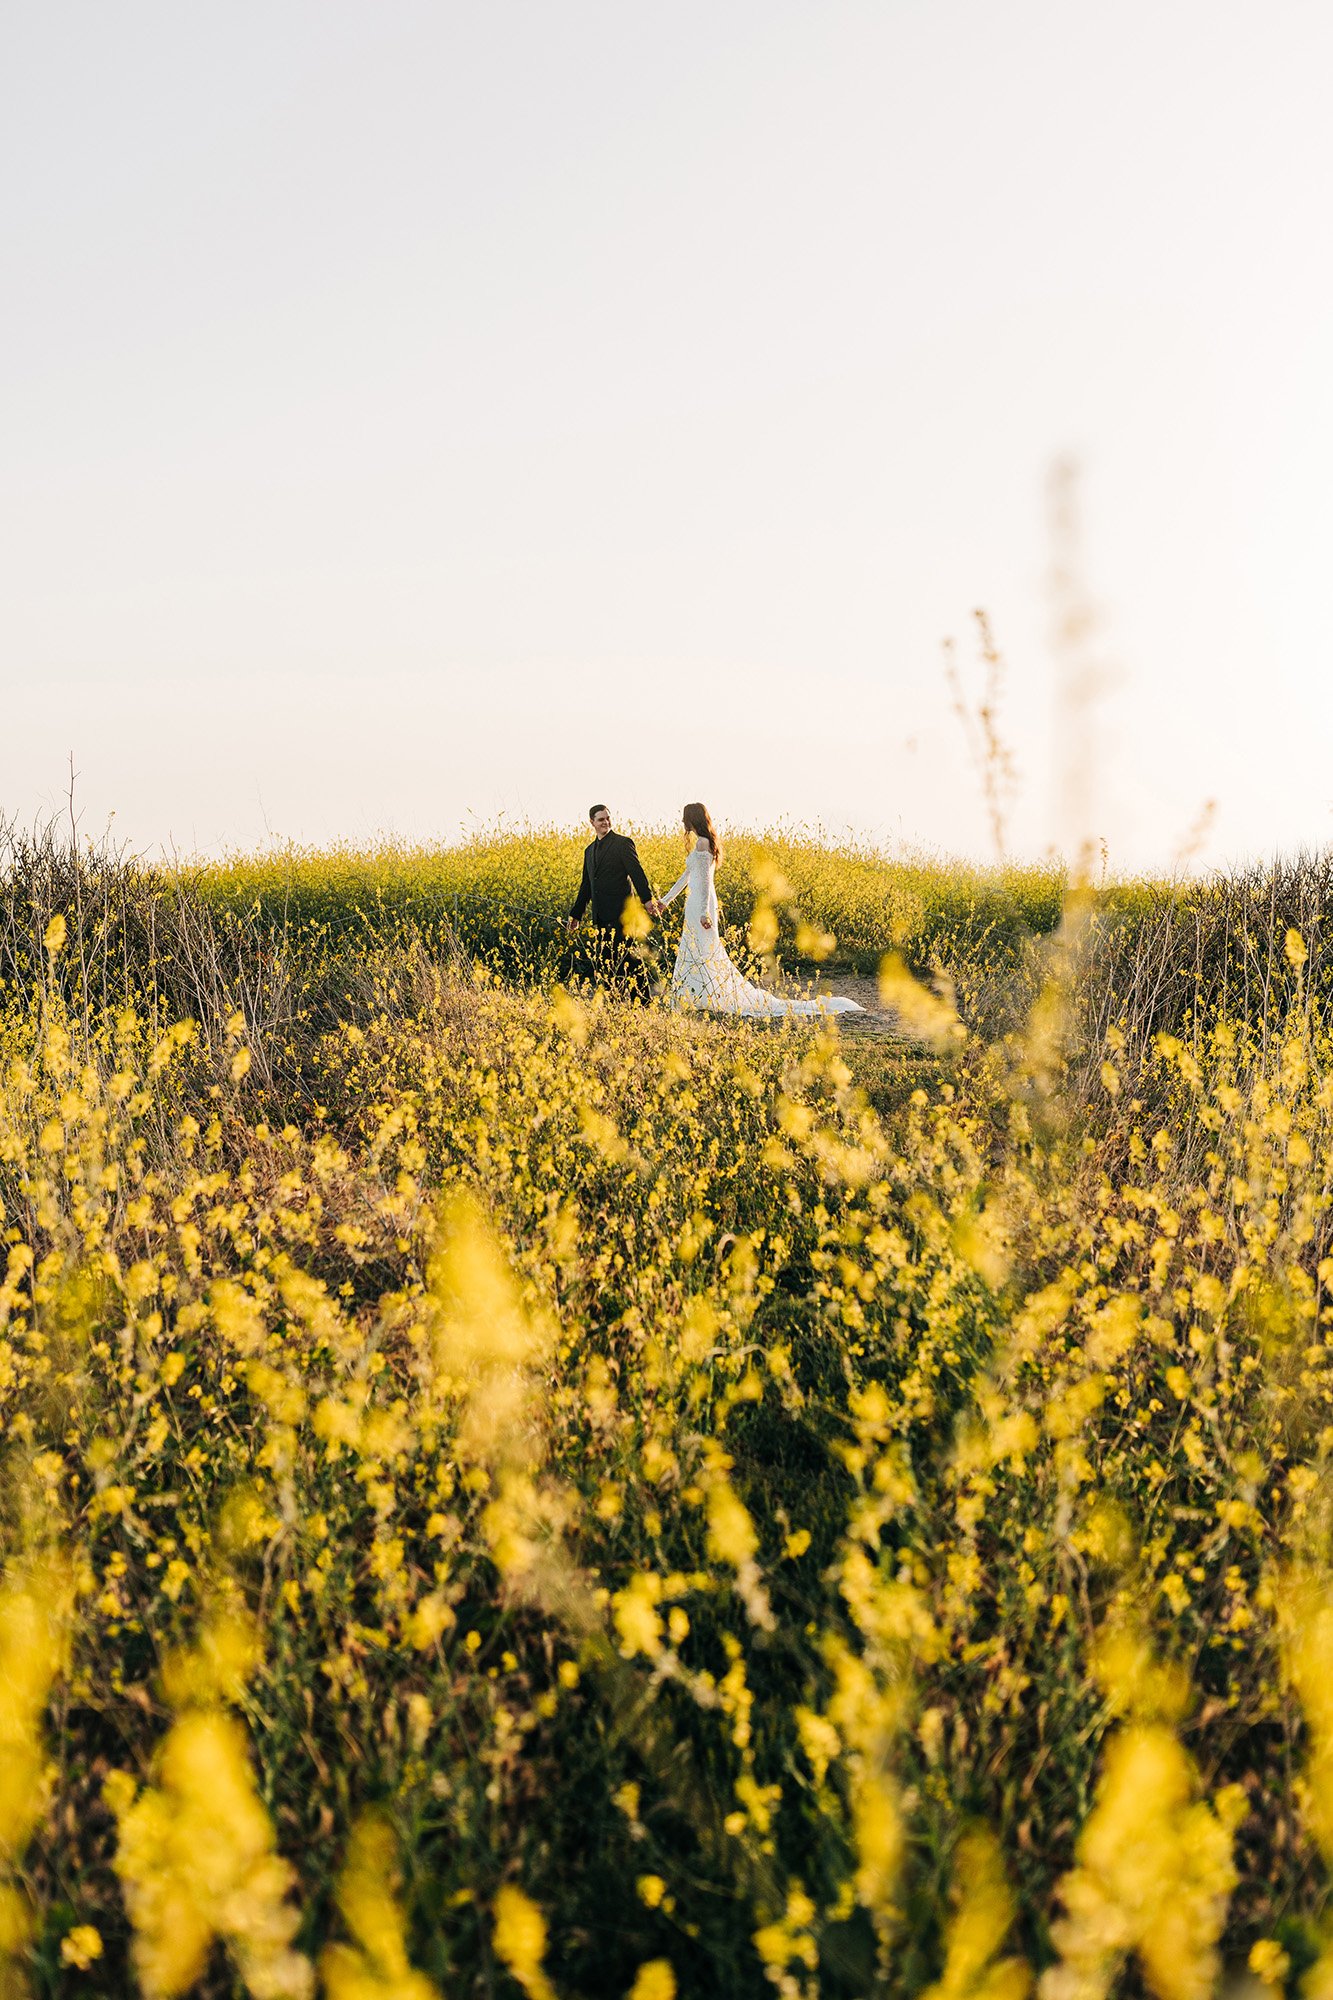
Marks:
<point>420,415</point>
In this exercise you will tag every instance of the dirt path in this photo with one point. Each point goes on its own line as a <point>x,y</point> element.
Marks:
<point>864,989</point>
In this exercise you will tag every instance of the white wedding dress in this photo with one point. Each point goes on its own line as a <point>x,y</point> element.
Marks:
<point>704,976</point>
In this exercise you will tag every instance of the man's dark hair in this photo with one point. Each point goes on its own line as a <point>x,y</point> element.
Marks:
<point>594,810</point>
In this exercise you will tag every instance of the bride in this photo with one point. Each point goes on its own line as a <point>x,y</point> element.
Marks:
<point>704,975</point>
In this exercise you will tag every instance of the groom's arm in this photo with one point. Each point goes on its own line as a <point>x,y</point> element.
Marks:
<point>584,896</point>
<point>634,869</point>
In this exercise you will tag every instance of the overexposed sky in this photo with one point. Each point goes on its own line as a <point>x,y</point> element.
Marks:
<point>419,414</point>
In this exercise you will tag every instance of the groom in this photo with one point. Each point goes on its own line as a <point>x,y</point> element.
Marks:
<point>611,871</point>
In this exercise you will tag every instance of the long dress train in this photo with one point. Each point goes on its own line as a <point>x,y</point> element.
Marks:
<point>704,975</point>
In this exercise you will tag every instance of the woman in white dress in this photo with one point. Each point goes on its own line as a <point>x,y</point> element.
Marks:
<point>704,975</point>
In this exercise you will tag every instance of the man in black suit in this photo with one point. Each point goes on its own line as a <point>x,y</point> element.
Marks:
<point>612,872</point>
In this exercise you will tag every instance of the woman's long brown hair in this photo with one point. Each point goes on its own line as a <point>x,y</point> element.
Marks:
<point>697,821</point>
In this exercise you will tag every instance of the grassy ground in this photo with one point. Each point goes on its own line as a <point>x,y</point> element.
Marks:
<point>506,1492</point>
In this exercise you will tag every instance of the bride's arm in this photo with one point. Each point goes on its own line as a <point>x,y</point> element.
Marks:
<point>682,883</point>
<point>709,917</point>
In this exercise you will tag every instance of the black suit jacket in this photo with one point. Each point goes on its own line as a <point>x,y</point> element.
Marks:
<point>611,870</point>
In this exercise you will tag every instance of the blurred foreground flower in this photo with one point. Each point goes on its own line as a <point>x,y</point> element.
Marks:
<point>921,1012</point>
<point>376,1965</point>
<point>520,1941</point>
<point>983,1913</point>
<point>197,1856</point>
<point>1153,1878</point>
<point>34,1611</point>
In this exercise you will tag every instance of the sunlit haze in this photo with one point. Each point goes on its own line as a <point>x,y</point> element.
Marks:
<point>416,416</point>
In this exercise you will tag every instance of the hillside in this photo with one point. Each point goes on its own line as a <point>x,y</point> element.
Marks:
<point>505,1491</point>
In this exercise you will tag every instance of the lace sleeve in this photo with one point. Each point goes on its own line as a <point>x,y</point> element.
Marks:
<point>711,885</point>
<point>682,882</point>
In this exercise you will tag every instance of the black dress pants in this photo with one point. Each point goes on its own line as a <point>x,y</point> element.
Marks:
<point>618,964</point>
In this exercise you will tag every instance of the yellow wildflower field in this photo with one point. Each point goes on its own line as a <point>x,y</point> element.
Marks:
<point>505,1491</point>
